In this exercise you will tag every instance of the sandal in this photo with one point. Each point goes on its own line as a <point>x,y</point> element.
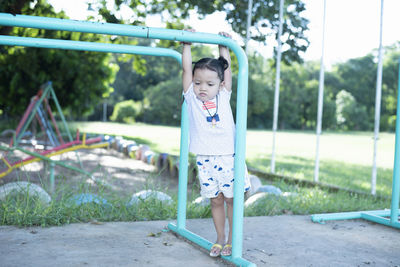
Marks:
<point>215,250</point>
<point>227,250</point>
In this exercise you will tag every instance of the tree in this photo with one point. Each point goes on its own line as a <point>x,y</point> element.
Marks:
<point>265,19</point>
<point>79,78</point>
<point>350,115</point>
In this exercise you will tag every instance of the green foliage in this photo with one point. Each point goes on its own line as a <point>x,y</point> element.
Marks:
<point>164,103</point>
<point>23,70</point>
<point>347,110</point>
<point>265,19</point>
<point>126,111</point>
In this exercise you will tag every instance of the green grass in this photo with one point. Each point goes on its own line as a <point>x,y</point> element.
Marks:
<point>305,200</point>
<point>343,163</point>
<point>345,158</point>
<point>24,209</point>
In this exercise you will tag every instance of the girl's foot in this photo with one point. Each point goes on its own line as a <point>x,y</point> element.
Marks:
<point>227,250</point>
<point>215,250</point>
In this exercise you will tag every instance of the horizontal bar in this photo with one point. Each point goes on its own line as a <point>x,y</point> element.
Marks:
<point>347,215</point>
<point>207,245</point>
<point>88,46</point>
<point>113,29</point>
<point>72,25</point>
<point>381,220</point>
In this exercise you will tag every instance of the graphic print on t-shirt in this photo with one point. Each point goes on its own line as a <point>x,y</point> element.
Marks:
<point>210,109</point>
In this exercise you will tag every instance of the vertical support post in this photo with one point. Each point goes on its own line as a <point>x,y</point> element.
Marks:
<point>249,15</point>
<point>320,99</point>
<point>52,183</point>
<point>394,214</point>
<point>240,156</point>
<point>277,86</point>
<point>183,168</point>
<point>377,107</point>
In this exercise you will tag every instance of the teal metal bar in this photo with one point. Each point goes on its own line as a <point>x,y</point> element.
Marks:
<point>347,215</point>
<point>183,168</point>
<point>378,216</point>
<point>52,183</point>
<point>72,25</point>
<point>396,168</point>
<point>380,220</point>
<point>207,245</point>
<point>176,35</point>
<point>88,46</point>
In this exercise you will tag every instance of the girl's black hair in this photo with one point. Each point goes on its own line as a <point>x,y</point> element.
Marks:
<point>218,65</point>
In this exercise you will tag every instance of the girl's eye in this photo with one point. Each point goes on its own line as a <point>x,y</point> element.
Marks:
<point>210,84</point>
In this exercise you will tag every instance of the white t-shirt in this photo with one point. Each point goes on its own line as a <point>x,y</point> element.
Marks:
<point>206,138</point>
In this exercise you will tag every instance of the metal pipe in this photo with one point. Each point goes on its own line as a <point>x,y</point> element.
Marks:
<point>320,99</point>
<point>277,86</point>
<point>249,15</point>
<point>394,217</point>
<point>377,106</point>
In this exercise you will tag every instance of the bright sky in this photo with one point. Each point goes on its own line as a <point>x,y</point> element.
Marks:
<point>352,26</point>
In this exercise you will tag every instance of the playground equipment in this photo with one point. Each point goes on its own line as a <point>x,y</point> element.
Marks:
<point>40,109</point>
<point>165,34</point>
<point>378,216</point>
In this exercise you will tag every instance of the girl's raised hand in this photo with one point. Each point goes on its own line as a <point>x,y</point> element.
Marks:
<point>189,30</point>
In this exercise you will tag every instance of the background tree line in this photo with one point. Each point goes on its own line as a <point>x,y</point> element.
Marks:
<point>148,89</point>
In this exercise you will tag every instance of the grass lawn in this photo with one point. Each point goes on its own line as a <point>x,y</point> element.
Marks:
<point>345,162</point>
<point>345,158</point>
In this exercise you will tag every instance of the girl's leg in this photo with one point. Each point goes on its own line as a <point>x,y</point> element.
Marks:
<point>218,214</point>
<point>229,209</point>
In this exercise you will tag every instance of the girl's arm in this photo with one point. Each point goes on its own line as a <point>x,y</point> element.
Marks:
<point>186,65</point>
<point>224,52</point>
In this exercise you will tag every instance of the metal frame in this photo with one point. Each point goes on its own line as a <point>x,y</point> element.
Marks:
<point>163,34</point>
<point>378,216</point>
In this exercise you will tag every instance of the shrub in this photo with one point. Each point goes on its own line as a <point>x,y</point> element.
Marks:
<point>126,111</point>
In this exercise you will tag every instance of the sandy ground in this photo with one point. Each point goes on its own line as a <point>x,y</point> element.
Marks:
<point>268,241</point>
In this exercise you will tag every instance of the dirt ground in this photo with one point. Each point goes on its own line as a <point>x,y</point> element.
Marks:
<point>114,169</point>
<point>268,241</point>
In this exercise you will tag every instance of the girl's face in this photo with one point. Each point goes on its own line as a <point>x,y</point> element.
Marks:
<point>206,84</point>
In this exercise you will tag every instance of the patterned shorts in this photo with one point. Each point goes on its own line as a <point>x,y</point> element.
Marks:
<point>216,175</point>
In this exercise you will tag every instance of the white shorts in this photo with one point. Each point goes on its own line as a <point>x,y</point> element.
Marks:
<point>216,175</point>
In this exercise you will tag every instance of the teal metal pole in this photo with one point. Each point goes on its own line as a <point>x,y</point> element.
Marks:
<point>394,217</point>
<point>52,183</point>
<point>347,215</point>
<point>72,25</point>
<point>88,46</point>
<point>183,168</point>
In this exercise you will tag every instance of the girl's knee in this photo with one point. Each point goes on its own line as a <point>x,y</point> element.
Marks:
<point>229,201</point>
<point>219,200</point>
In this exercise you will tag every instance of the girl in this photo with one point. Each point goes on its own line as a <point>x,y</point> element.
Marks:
<point>207,90</point>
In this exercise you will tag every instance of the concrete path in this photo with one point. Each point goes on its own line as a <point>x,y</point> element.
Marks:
<point>268,241</point>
